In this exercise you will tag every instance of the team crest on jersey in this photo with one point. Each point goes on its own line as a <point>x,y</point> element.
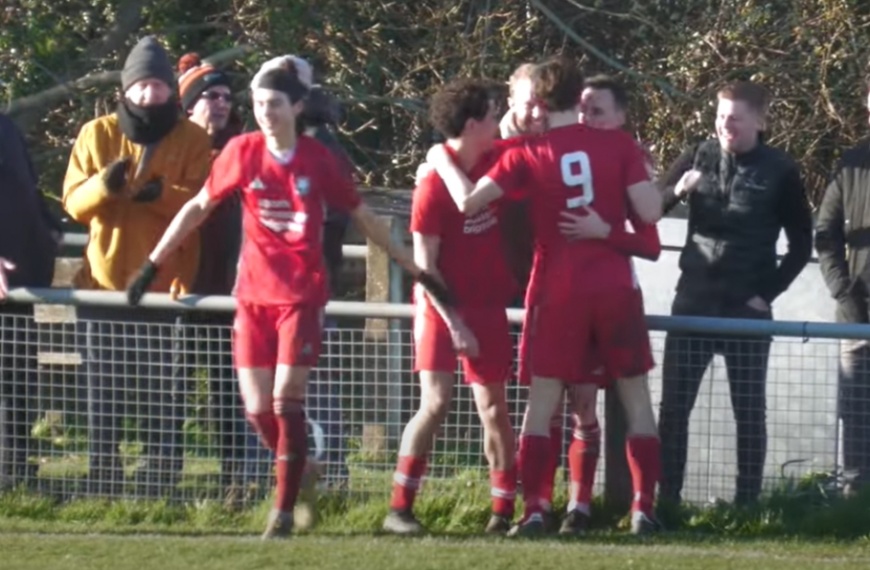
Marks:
<point>303,185</point>
<point>257,184</point>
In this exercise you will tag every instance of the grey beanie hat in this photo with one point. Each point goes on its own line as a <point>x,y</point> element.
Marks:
<point>147,59</point>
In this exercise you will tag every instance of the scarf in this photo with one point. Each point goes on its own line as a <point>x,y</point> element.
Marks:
<point>147,125</point>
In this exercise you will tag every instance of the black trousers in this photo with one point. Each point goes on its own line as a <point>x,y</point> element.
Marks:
<point>134,372</point>
<point>18,391</point>
<point>209,348</point>
<point>686,358</point>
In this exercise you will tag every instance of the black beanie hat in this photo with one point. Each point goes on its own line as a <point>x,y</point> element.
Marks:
<point>147,59</point>
<point>279,79</point>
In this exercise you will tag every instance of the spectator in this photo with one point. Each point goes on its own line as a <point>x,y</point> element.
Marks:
<point>29,236</point>
<point>842,227</point>
<point>207,100</point>
<point>129,174</point>
<point>740,193</point>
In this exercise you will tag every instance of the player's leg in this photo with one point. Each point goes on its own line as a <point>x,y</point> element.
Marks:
<point>557,445</point>
<point>255,353</point>
<point>488,374</point>
<point>625,349</point>
<point>499,445</point>
<point>435,360</point>
<point>299,338</point>
<point>583,454</point>
<point>557,345</point>
<point>556,425</point>
<point>642,449</point>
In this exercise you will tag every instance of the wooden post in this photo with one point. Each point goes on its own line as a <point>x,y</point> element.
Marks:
<point>384,285</point>
<point>617,479</point>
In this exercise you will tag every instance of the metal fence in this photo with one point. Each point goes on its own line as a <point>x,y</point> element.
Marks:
<point>156,413</point>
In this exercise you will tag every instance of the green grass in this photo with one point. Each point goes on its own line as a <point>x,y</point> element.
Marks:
<point>798,526</point>
<point>61,552</point>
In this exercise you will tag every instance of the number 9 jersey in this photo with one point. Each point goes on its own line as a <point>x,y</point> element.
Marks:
<point>566,170</point>
<point>583,306</point>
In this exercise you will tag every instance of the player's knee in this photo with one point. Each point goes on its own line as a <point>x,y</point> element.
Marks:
<point>493,414</point>
<point>435,405</point>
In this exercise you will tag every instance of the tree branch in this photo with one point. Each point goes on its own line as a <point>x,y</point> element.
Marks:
<point>661,84</point>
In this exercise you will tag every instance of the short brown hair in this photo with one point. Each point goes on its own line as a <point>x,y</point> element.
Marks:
<point>608,83</point>
<point>458,101</point>
<point>753,94</point>
<point>557,82</point>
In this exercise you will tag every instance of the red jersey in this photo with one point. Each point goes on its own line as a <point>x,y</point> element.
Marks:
<point>283,205</point>
<point>471,256</point>
<point>566,169</point>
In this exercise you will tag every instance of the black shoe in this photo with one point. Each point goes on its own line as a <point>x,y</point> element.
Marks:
<point>530,527</point>
<point>403,522</point>
<point>575,523</point>
<point>643,524</point>
<point>498,525</point>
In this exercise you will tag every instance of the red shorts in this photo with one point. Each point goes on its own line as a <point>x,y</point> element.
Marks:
<point>433,347</point>
<point>267,335</point>
<point>600,338</point>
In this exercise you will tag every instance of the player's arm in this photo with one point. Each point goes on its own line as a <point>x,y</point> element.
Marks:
<point>189,217</point>
<point>643,194</point>
<point>376,230</point>
<point>426,250</point>
<point>469,198</point>
<point>643,242</point>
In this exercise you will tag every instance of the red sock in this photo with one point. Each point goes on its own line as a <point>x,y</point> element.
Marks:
<point>644,460</point>
<point>534,451</point>
<point>266,427</point>
<point>406,482</point>
<point>582,461</point>
<point>291,452</point>
<point>504,491</point>
<point>555,457</point>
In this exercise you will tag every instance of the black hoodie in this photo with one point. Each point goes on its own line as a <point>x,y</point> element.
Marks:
<point>26,225</point>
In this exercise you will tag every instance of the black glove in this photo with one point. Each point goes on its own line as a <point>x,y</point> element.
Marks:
<point>140,284</point>
<point>150,191</point>
<point>436,289</point>
<point>115,175</point>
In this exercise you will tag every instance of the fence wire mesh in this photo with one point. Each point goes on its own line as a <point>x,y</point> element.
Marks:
<point>144,404</point>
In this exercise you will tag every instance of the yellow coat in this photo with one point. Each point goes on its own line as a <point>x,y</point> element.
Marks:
<point>122,232</point>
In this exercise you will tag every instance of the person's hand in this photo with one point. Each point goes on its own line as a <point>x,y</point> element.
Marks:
<point>687,182</point>
<point>464,340</point>
<point>149,191</point>
<point>5,267</point>
<point>508,125</point>
<point>586,225</point>
<point>115,175</point>
<point>758,304</point>
<point>142,281</point>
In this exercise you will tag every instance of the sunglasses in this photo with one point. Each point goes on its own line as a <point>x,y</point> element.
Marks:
<point>212,96</point>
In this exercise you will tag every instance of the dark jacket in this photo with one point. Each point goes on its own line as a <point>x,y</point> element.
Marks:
<point>221,234</point>
<point>321,113</point>
<point>843,225</point>
<point>735,217</point>
<point>26,225</point>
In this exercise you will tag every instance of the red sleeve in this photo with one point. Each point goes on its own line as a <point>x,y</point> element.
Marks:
<point>511,172</point>
<point>644,242</point>
<point>634,166</point>
<point>339,189</point>
<point>226,175</point>
<point>425,206</point>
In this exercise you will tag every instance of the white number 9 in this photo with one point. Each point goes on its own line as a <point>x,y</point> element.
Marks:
<point>576,171</point>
